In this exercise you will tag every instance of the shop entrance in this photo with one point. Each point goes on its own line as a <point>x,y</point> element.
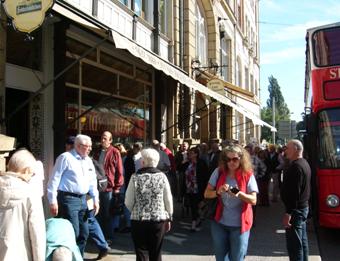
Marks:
<point>18,125</point>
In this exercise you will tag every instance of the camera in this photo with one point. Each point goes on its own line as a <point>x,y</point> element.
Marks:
<point>234,190</point>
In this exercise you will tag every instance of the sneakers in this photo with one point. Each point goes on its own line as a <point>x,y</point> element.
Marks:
<point>102,253</point>
<point>193,226</point>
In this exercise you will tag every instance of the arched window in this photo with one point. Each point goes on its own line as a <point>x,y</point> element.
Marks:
<point>201,36</point>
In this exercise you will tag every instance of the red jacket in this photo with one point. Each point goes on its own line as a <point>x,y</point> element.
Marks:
<point>113,167</point>
<point>171,159</point>
<point>242,180</point>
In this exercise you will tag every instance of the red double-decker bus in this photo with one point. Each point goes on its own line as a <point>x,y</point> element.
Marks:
<point>322,108</point>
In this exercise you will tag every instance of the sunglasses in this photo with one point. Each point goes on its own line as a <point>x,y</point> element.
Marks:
<point>235,159</point>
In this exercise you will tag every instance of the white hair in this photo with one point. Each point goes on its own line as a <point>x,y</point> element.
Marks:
<point>297,144</point>
<point>150,157</point>
<point>62,254</point>
<point>21,160</point>
<point>82,139</point>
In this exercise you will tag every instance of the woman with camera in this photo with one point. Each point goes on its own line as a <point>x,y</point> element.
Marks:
<point>234,185</point>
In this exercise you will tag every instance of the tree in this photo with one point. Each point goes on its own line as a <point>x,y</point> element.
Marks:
<point>281,109</point>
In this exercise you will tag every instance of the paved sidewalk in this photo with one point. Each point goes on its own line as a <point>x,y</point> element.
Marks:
<point>267,240</point>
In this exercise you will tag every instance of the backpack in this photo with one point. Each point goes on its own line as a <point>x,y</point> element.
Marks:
<point>102,180</point>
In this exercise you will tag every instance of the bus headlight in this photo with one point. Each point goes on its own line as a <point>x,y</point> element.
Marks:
<point>332,201</point>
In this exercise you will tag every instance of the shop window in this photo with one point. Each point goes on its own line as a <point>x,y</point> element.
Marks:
<point>107,81</point>
<point>72,75</point>
<point>132,89</point>
<point>71,110</point>
<point>143,75</point>
<point>79,48</point>
<point>127,121</point>
<point>115,63</point>
<point>23,52</point>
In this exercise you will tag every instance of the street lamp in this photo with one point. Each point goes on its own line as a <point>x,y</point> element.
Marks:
<point>273,109</point>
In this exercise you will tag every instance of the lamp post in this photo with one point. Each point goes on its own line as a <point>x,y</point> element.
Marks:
<point>273,109</point>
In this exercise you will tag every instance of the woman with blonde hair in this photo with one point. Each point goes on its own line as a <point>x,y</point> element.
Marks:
<point>234,184</point>
<point>22,230</point>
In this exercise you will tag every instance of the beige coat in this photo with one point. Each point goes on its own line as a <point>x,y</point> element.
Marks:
<point>22,222</point>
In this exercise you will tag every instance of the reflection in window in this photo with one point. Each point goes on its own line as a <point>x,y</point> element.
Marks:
<point>126,2</point>
<point>106,82</point>
<point>79,48</point>
<point>326,45</point>
<point>71,109</point>
<point>329,138</point>
<point>127,121</point>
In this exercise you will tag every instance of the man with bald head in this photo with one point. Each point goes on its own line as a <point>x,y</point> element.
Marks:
<point>295,194</point>
<point>109,157</point>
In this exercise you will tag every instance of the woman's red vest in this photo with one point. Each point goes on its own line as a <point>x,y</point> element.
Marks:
<point>242,179</point>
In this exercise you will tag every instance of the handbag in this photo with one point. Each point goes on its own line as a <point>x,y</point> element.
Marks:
<point>209,205</point>
<point>208,208</point>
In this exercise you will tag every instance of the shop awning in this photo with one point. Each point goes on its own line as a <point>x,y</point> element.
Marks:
<point>122,42</point>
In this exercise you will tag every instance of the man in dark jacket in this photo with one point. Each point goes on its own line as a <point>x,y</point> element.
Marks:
<point>109,157</point>
<point>295,194</point>
<point>214,157</point>
<point>272,162</point>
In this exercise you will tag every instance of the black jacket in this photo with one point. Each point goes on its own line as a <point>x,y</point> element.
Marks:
<point>295,189</point>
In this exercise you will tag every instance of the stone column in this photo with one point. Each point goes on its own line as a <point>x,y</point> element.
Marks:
<point>3,26</point>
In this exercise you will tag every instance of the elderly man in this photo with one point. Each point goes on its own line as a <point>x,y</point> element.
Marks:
<point>73,176</point>
<point>295,194</point>
<point>109,157</point>
<point>164,162</point>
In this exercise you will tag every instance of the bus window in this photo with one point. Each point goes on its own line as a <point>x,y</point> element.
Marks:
<point>329,138</point>
<point>326,46</point>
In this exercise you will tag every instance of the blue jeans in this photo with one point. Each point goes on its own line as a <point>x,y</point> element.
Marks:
<point>229,243</point>
<point>296,236</point>
<point>127,217</point>
<point>75,210</point>
<point>105,218</point>
<point>96,233</point>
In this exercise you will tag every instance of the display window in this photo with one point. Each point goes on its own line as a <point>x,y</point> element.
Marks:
<point>105,93</point>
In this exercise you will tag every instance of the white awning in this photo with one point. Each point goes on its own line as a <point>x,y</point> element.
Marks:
<point>157,62</point>
<point>122,42</point>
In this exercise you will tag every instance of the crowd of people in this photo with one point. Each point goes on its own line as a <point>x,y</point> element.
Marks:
<point>117,188</point>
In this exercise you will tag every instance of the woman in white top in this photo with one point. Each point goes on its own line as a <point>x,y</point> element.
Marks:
<point>22,228</point>
<point>149,199</point>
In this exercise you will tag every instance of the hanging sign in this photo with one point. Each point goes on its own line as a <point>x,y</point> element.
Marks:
<point>216,85</point>
<point>27,15</point>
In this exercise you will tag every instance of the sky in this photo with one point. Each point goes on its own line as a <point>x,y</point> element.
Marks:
<point>283,25</point>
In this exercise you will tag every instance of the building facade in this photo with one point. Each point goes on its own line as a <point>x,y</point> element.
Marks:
<point>140,69</point>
